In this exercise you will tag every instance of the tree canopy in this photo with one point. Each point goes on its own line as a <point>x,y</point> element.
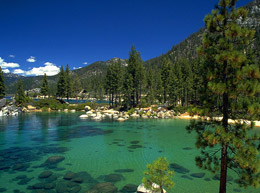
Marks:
<point>231,85</point>
<point>158,173</point>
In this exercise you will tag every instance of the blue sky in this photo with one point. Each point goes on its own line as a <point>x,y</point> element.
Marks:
<point>39,36</point>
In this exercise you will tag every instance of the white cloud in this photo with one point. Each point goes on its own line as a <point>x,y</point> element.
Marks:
<point>4,64</point>
<point>48,64</point>
<point>85,63</point>
<point>31,59</point>
<point>6,71</point>
<point>12,56</point>
<point>75,68</point>
<point>18,71</point>
<point>50,69</point>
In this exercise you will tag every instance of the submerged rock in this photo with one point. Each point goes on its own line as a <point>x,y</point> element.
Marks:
<point>113,178</point>
<point>129,188</point>
<point>69,175</point>
<point>105,187</point>
<point>179,169</point>
<point>197,175</point>
<point>186,177</point>
<point>54,160</point>
<point>45,174</point>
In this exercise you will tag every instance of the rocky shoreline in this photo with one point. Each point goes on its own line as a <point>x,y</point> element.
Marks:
<point>145,113</point>
<point>8,109</point>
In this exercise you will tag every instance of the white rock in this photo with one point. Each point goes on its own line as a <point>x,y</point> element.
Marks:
<point>120,119</point>
<point>83,116</point>
<point>89,112</point>
<point>97,118</point>
<point>142,189</point>
<point>93,115</point>
<point>87,108</point>
<point>135,115</point>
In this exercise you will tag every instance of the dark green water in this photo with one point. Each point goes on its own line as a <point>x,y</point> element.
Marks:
<point>94,150</point>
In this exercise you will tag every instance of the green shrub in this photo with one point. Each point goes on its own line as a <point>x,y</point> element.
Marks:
<point>45,109</point>
<point>141,113</point>
<point>131,111</point>
<point>51,103</point>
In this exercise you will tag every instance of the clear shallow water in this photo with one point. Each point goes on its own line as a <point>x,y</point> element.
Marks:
<point>100,149</point>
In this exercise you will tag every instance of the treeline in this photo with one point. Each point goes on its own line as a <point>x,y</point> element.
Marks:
<point>169,83</point>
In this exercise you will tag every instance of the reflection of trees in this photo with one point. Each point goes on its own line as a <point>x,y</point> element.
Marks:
<point>21,122</point>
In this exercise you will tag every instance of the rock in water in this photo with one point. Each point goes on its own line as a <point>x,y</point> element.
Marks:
<point>105,187</point>
<point>198,175</point>
<point>2,102</point>
<point>54,160</point>
<point>69,175</point>
<point>129,188</point>
<point>179,169</point>
<point>113,178</point>
<point>45,174</point>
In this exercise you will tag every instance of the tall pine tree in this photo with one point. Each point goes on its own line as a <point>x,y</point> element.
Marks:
<point>135,69</point>
<point>45,86</point>
<point>68,82</point>
<point>232,77</point>
<point>61,86</point>
<point>2,84</point>
<point>165,72</point>
<point>20,96</point>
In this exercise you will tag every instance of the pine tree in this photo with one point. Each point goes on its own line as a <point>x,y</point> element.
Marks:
<point>232,77</point>
<point>150,86</point>
<point>128,90</point>
<point>172,87</point>
<point>76,86</point>
<point>2,84</point>
<point>61,86</point>
<point>45,86</point>
<point>165,72</point>
<point>179,82</point>
<point>158,85</point>
<point>188,75</point>
<point>136,69</point>
<point>158,173</point>
<point>20,96</point>
<point>68,83</point>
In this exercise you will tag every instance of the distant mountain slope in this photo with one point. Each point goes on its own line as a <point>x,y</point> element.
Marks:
<point>85,73</point>
<point>187,48</point>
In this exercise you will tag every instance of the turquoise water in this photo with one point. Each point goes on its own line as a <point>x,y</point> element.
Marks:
<point>101,151</point>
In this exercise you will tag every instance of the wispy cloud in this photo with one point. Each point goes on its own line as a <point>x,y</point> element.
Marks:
<point>6,70</point>
<point>31,59</point>
<point>85,63</point>
<point>18,71</point>
<point>48,64</point>
<point>50,69</point>
<point>4,64</point>
<point>12,56</point>
<point>75,68</point>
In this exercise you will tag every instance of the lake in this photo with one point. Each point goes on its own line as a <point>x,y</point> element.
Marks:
<point>58,152</point>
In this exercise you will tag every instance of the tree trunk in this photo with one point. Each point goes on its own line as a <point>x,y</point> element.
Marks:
<point>223,173</point>
<point>137,98</point>
<point>112,99</point>
<point>164,95</point>
<point>161,190</point>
